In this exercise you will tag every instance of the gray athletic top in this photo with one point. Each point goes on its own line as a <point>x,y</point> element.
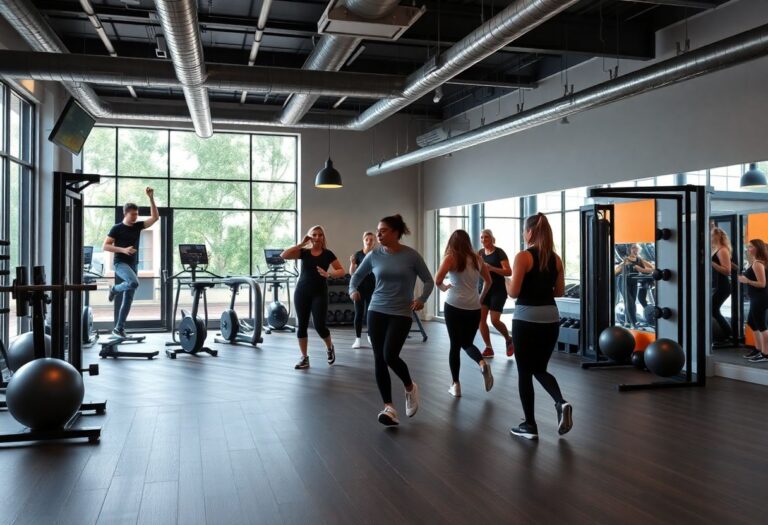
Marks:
<point>395,278</point>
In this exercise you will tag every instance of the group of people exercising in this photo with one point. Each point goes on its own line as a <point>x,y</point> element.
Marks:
<point>382,287</point>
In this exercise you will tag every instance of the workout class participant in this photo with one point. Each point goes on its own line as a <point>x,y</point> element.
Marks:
<point>123,241</point>
<point>395,267</point>
<point>463,268</point>
<point>755,279</point>
<point>627,271</point>
<point>721,280</point>
<point>318,263</point>
<point>537,278</point>
<point>497,262</point>
<point>366,287</point>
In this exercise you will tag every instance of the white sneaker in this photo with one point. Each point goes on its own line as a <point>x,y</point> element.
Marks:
<point>357,343</point>
<point>455,390</point>
<point>388,417</point>
<point>412,401</point>
<point>487,376</point>
<point>369,340</point>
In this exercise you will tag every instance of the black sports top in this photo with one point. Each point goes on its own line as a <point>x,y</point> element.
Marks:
<point>370,280</point>
<point>309,276</point>
<point>755,294</point>
<point>497,281</point>
<point>718,279</point>
<point>538,288</point>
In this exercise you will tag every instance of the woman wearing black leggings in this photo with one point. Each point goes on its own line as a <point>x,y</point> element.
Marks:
<point>365,288</point>
<point>537,278</point>
<point>395,267</point>
<point>463,268</point>
<point>755,279</point>
<point>721,280</point>
<point>318,263</point>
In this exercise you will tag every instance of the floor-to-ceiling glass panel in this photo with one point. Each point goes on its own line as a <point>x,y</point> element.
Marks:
<point>209,194</point>
<point>142,153</point>
<point>96,225</point>
<point>134,190</point>
<point>274,158</point>
<point>100,153</point>
<point>222,156</point>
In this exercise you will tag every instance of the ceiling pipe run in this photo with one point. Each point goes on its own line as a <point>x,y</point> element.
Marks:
<point>182,34</point>
<point>508,25</point>
<point>97,69</point>
<point>332,52</point>
<point>731,51</point>
<point>261,24</point>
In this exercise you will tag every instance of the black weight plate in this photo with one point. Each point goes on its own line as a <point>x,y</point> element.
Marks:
<point>229,325</point>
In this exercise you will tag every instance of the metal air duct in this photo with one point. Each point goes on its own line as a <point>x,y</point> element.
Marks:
<point>182,34</point>
<point>729,52</point>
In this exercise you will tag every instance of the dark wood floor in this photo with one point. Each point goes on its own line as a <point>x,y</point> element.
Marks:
<point>244,438</point>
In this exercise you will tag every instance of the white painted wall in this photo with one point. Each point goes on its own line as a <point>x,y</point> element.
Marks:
<point>715,120</point>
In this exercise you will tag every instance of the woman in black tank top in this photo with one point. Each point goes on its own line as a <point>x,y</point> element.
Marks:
<point>537,278</point>
<point>755,279</point>
<point>721,281</point>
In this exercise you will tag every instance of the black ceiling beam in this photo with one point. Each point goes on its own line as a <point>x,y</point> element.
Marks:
<point>566,34</point>
<point>694,4</point>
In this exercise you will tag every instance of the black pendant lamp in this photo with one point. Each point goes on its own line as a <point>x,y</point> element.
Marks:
<point>753,178</point>
<point>328,177</point>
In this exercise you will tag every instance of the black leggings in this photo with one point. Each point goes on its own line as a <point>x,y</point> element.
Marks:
<point>308,301</point>
<point>462,327</point>
<point>534,343</point>
<point>719,295</point>
<point>361,308</point>
<point>388,334</point>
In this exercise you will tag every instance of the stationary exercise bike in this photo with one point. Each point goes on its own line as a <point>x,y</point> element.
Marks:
<point>235,330</point>
<point>192,330</point>
<point>277,276</point>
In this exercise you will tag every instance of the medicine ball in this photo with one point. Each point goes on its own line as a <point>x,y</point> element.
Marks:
<point>45,393</point>
<point>277,316</point>
<point>664,357</point>
<point>617,343</point>
<point>22,350</point>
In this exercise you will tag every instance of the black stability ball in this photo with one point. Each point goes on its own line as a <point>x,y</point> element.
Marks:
<point>638,360</point>
<point>617,343</point>
<point>664,357</point>
<point>22,350</point>
<point>277,316</point>
<point>45,393</point>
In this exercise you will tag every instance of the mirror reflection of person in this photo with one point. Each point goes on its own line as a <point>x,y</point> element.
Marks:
<point>721,279</point>
<point>123,241</point>
<point>629,267</point>
<point>755,279</point>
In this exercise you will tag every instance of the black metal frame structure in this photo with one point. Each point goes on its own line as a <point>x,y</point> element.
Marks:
<point>689,264</point>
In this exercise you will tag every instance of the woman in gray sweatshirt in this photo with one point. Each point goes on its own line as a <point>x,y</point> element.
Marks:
<point>390,312</point>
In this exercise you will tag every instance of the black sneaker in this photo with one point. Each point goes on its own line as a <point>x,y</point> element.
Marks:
<point>759,358</point>
<point>303,363</point>
<point>564,417</point>
<point>112,294</point>
<point>753,353</point>
<point>525,430</point>
<point>119,333</point>
<point>331,355</point>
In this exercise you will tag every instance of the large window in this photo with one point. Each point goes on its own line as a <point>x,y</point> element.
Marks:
<point>17,128</point>
<point>235,193</point>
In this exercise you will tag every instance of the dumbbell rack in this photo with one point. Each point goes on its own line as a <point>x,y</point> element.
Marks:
<point>339,302</point>
<point>4,310</point>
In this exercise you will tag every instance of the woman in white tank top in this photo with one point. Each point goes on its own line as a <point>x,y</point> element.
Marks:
<point>461,268</point>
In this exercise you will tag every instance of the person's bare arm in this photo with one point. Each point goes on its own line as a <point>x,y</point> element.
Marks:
<point>445,267</point>
<point>723,265</point>
<point>295,251</point>
<point>486,276</point>
<point>335,271</point>
<point>109,246</point>
<point>154,214</point>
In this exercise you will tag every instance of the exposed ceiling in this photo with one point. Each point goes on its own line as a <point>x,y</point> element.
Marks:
<point>590,28</point>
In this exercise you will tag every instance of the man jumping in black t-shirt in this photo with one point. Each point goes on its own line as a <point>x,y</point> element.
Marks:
<point>123,241</point>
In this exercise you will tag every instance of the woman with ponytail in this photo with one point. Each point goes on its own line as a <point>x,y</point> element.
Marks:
<point>537,278</point>
<point>755,279</point>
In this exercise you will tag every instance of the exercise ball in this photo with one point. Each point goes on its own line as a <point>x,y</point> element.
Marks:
<point>45,393</point>
<point>664,357</point>
<point>22,350</point>
<point>638,360</point>
<point>617,343</point>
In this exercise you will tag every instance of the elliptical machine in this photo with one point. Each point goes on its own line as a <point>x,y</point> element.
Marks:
<point>235,330</point>
<point>192,330</point>
<point>277,276</point>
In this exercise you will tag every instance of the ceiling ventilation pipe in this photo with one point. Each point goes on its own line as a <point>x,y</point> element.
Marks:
<point>97,69</point>
<point>508,25</point>
<point>182,33</point>
<point>261,24</point>
<point>332,52</point>
<point>729,52</point>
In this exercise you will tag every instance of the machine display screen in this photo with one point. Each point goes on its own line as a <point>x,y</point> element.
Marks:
<point>272,256</point>
<point>193,254</point>
<point>87,255</point>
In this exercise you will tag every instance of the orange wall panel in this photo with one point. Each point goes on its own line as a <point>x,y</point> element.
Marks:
<point>634,221</point>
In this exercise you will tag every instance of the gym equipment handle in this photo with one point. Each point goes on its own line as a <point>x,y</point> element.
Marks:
<point>15,289</point>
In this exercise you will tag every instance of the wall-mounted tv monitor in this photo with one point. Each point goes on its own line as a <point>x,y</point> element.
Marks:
<point>193,254</point>
<point>72,128</point>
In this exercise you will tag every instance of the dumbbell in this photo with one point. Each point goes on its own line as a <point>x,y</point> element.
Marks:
<point>661,275</point>
<point>330,317</point>
<point>332,297</point>
<point>339,316</point>
<point>663,234</point>
<point>349,316</point>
